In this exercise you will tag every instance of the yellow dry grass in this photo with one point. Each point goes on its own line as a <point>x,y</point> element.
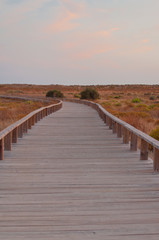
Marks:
<point>12,110</point>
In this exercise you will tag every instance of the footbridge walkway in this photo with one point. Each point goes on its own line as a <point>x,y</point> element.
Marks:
<point>71,178</point>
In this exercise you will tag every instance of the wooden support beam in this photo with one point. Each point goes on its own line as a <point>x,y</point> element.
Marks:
<point>156,160</point>
<point>119,130</point>
<point>8,142</point>
<point>15,135</point>
<point>144,150</point>
<point>107,120</point>
<point>110,124</point>
<point>29,123</point>
<point>20,131</point>
<point>133,144</point>
<point>1,149</point>
<point>41,114</point>
<point>114,127</point>
<point>33,120</point>
<point>36,118</point>
<point>125,136</point>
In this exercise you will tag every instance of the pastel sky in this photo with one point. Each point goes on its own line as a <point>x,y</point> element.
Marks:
<point>79,41</point>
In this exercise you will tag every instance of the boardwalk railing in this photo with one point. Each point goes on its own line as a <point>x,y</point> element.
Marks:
<point>129,133</point>
<point>11,134</point>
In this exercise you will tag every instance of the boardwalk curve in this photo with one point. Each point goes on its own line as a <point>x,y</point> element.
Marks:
<point>71,178</point>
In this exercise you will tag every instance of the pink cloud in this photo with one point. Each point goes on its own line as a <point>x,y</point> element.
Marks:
<point>63,23</point>
<point>68,12</point>
<point>114,29</point>
<point>105,33</point>
<point>92,52</point>
<point>143,49</point>
<point>102,34</point>
<point>145,40</point>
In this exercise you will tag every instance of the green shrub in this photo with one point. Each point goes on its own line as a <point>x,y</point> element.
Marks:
<point>54,93</point>
<point>118,104</point>
<point>136,100</point>
<point>155,133</point>
<point>89,93</point>
<point>77,95</point>
<point>117,96</point>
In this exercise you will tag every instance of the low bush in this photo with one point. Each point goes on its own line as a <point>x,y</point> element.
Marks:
<point>136,100</point>
<point>155,133</point>
<point>118,104</point>
<point>77,95</point>
<point>54,93</point>
<point>89,93</point>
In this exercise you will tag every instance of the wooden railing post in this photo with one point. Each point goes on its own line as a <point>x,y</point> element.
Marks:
<point>125,136</point>
<point>133,144</point>
<point>29,123</point>
<point>25,126</point>
<point>114,127</point>
<point>1,148</point>
<point>119,130</point>
<point>156,159</point>
<point>106,120</point>
<point>144,150</point>
<point>15,135</point>
<point>33,120</point>
<point>110,124</point>
<point>44,113</point>
<point>8,142</point>
<point>36,118</point>
<point>20,131</point>
<point>41,114</point>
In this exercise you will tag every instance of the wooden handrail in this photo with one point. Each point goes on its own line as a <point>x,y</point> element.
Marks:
<point>16,130</point>
<point>129,133</point>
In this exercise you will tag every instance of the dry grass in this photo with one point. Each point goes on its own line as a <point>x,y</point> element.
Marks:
<point>144,115</point>
<point>12,110</point>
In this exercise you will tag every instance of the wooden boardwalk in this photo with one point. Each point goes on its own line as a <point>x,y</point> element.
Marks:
<point>70,178</point>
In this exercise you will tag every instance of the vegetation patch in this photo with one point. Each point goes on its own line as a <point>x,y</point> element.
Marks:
<point>136,100</point>
<point>155,133</point>
<point>54,94</point>
<point>13,110</point>
<point>77,95</point>
<point>89,93</point>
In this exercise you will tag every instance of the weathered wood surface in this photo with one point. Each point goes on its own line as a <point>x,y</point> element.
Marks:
<point>70,178</point>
